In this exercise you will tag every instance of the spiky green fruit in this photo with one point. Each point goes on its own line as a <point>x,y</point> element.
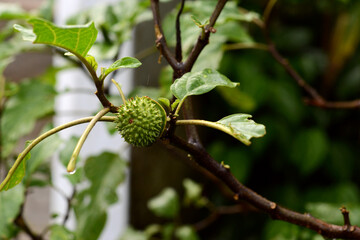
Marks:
<point>141,121</point>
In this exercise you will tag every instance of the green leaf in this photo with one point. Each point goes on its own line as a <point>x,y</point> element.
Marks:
<point>10,11</point>
<point>26,33</point>
<point>166,204</point>
<point>242,128</point>
<point>330,213</point>
<point>105,172</point>
<point>186,233</point>
<point>58,232</point>
<point>167,232</point>
<point>10,204</point>
<point>175,104</point>
<point>34,100</point>
<point>238,99</point>
<point>196,21</point>
<point>91,60</point>
<point>125,62</point>
<point>91,223</point>
<point>165,102</point>
<point>193,192</point>
<point>116,21</point>
<point>197,83</point>
<point>41,153</point>
<point>76,39</point>
<point>18,175</point>
<point>76,177</point>
<point>277,230</point>
<point>46,10</point>
<point>132,234</point>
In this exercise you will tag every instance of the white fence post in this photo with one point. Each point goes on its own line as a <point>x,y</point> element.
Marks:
<point>76,100</point>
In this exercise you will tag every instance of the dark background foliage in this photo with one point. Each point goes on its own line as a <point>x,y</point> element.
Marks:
<point>309,159</point>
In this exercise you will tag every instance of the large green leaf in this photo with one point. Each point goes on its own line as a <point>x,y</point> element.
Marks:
<point>76,39</point>
<point>197,83</point>
<point>166,204</point>
<point>105,172</point>
<point>34,100</point>
<point>10,203</point>
<point>242,128</point>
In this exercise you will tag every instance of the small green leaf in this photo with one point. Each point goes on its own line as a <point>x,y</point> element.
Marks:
<point>26,33</point>
<point>125,62</point>
<point>58,232</point>
<point>192,191</point>
<point>77,39</point>
<point>165,102</point>
<point>18,175</point>
<point>92,61</point>
<point>89,58</point>
<point>175,104</point>
<point>197,83</point>
<point>197,21</point>
<point>242,128</point>
<point>166,204</point>
<point>75,177</point>
<point>186,233</point>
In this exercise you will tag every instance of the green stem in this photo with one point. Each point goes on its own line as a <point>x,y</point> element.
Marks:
<point>206,124</point>
<point>72,163</point>
<point>43,137</point>
<point>120,90</point>
<point>269,7</point>
<point>179,107</point>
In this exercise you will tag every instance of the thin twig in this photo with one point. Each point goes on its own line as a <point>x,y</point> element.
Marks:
<point>160,39</point>
<point>203,39</point>
<point>220,211</point>
<point>68,208</point>
<point>22,224</point>
<point>245,45</point>
<point>268,9</point>
<point>345,214</point>
<point>178,49</point>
